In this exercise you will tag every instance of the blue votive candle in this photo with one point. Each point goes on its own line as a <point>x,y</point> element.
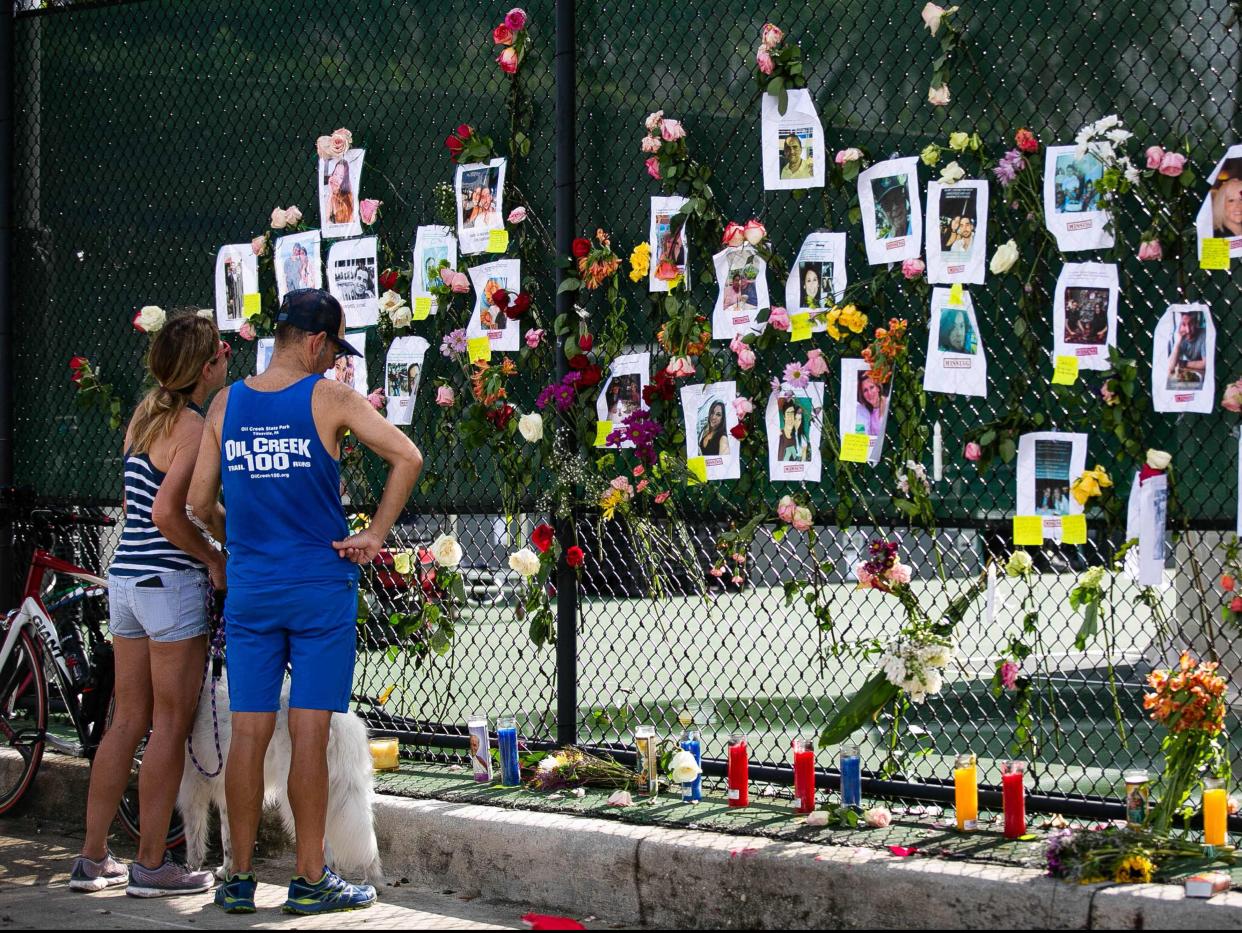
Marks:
<point>506,741</point>
<point>692,743</point>
<point>851,776</point>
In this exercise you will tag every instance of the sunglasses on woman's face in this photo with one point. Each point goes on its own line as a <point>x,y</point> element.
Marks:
<point>225,350</point>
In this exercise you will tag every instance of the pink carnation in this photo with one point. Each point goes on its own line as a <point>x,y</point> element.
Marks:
<point>816,365</point>
<point>246,331</point>
<point>1172,164</point>
<point>913,268</point>
<point>367,209</point>
<point>1155,155</point>
<point>534,338</point>
<point>515,19</point>
<point>779,318</point>
<point>899,573</point>
<point>517,215</point>
<point>1150,249</point>
<point>653,167</point>
<point>445,396</point>
<point>973,452</point>
<point>1009,675</point>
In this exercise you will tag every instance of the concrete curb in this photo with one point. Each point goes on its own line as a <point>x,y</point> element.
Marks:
<point>662,877</point>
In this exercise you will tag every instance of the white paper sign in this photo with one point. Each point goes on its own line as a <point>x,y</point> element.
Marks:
<point>433,245</point>
<point>1074,210</point>
<point>793,143</point>
<point>1183,369</point>
<point>352,370</point>
<point>403,370</point>
<point>669,244</point>
<point>892,216</point>
<point>742,277</point>
<point>353,279</point>
<point>1220,215</point>
<point>1048,463</point>
<point>1084,313</point>
<point>1153,516</point>
<point>479,188</point>
<point>707,411</point>
<point>957,232</point>
<point>622,394</point>
<point>817,278</point>
<point>297,264</point>
<point>864,406</point>
<point>237,279</point>
<point>263,348</point>
<point>486,318</point>
<point>340,181</point>
<point>956,364</point>
<point>795,420</point>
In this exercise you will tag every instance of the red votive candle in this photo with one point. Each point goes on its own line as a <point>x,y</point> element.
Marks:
<point>739,771</point>
<point>1013,798</point>
<point>804,775</point>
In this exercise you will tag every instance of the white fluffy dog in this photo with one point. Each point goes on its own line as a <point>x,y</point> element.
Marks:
<point>349,834</point>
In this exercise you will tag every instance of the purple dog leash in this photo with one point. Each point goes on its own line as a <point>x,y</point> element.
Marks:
<point>215,664</point>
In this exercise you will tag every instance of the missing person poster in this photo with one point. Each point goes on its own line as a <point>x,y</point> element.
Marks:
<point>403,369</point>
<point>817,278</point>
<point>864,406</point>
<point>669,244</point>
<point>237,285</point>
<point>957,232</point>
<point>486,318</point>
<point>479,188</point>
<point>434,246</point>
<point>622,393</point>
<point>956,364</point>
<point>1183,355</point>
<point>1073,209</point>
<point>1048,464</point>
<point>353,279</point>
<point>709,417</point>
<point>742,277</point>
<point>340,180</point>
<point>892,216</point>
<point>1084,313</point>
<point>794,420</point>
<point>793,143</point>
<point>1220,215</point>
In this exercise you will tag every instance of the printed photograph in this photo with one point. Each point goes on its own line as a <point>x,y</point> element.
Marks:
<point>871,405</point>
<point>712,431</point>
<point>793,443</point>
<point>234,288</point>
<point>892,206</point>
<point>1075,183</point>
<point>797,152</point>
<point>490,317</point>
<point>1052,477</point>
<point>294,263</point>
<point>1187,364</point>
<point>670,246</point>
<point>956,333</point>
<point>355,279</point>
<point>958,220</point>
<point>815,285</point>
<point>338,198</point>
<point>740,292</point>
<point>1086,315</point>
<point>1226,198</point>
<point>479,199</point>
<point>430,270</point>
<point>623,396</point>
<point>402,379</point>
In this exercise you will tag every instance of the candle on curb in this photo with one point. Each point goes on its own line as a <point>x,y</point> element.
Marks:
<point>1013,798</point>
<point>1215,811</point>
<point>804,774</point>
<point>1137,793</point>
<point>648,760</point>
<point>937,453</point>
<point>693,743</point>
<point>966,792</point>
<point>384,755</point>
<point>480,748</point>
<point>850,763</point>
<point>506,741</point>
<point>739,771</point>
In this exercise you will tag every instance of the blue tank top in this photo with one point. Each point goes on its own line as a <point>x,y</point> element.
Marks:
<point>282,496</point>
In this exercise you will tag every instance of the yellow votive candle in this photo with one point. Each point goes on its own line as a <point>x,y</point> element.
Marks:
<point>1215,813</point>
<point>384,754</point>
<point>966,792</point>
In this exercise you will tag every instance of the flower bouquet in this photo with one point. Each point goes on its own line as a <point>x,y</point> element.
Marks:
<point>1119,854</point>
<point>567,768</point>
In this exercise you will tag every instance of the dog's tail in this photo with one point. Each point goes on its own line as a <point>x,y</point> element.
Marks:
<point>350,828</point>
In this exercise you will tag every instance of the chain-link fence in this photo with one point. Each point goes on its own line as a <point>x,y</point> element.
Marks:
<point>150,133</point>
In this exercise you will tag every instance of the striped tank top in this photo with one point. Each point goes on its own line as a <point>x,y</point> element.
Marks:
<point>143,550</point>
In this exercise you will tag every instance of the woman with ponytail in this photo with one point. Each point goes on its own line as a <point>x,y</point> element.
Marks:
<point>157,594</point>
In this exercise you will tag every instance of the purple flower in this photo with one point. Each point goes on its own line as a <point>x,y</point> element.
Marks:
<point>1008,167</point>
<point>640,429</point>
<point>559,394</point>
<point>796,375</point>
<point>454,342</point>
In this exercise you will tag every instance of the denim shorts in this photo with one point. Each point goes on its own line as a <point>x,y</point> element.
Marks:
<point>173,610</point>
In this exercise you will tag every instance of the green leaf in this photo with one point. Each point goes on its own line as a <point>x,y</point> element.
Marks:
<point>1090,624</point>
<point>1008,450</point>
<point>871,697</point>
<point>987,437</point>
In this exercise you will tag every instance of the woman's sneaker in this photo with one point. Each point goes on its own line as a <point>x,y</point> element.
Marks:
<point>330,893</point>
<point>170,878</point>
<point>236,894</point>
<point>89,875</point>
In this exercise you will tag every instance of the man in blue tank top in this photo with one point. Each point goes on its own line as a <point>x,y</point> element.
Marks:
<point>272,441</point>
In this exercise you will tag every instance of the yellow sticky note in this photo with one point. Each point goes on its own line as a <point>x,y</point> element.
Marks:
<point>1066,372</point>
<point>1215,254</point>
<point>698,470</point>
<point>855,448</point>
<point>251,304</point>
<point>479,348</point>
<point>955,296</point>
<point>800,326</point>
<point>602,430</point>
<point>1028,529</point>
<point>497,241</point>
<point>422,309</point>
<point>1073,529</point>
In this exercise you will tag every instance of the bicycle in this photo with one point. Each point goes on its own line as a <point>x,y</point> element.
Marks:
<point>46,668</point>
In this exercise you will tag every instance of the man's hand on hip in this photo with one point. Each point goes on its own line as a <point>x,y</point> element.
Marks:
<point>360,548</point>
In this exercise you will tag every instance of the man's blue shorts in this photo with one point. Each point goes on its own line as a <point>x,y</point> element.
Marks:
<point>311,626</point>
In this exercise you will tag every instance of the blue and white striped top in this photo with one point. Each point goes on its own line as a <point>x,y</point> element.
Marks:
<point>143,551</point>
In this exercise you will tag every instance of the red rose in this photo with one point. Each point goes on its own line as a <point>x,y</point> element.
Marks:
<point>579,361</point>
<point>581,247</point>
<point>500,298</point>
<point>521,303</point>
<point>464,131</point>
<point>388,279</point>
<point>502,35</point>
<point>738,431</point>
<point>542,537</point>
<point>77,363</point>
<point>500,417</point>
<point>574,555</point>
<point>585,343</point>
<point>455,146</point>
<point>591,376</point>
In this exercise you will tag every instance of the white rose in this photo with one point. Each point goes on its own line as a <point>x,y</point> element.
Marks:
<point>151,318</point>
<point>390,301</point>
<point>323,145</point>
<point>293,216</point>
<point>279,218</point>
<point>683,769</point>
<point>817,818</point>
<point>1003,259</point>
<point>531,427</point>
<point>402,316</point>
<point>446,551</point>
<point>939,96</point>
<point>952,173</point>
<point>1158,459</point>
<point>621,798</point>
<point>524,562</point>
<point>932,15</point>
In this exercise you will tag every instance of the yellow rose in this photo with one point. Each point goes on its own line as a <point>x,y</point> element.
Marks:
<point>959,141</point>
<point>403,562</point>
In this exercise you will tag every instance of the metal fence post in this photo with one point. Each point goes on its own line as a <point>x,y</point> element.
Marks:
<point>565,193</point>
<point>7,570</point>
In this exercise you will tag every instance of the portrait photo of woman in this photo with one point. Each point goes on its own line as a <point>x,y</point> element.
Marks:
<point>480,210</point>
<point>871,407</point>
<point>816,285</point>
<point>794,442</point>
<point>957,335</point>
<point>1227,200</point>
<point>339,197</point>
<point>712,431</point>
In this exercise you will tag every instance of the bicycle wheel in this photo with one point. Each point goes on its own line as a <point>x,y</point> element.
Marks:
<point>128,811</point>
<point>23,719</point>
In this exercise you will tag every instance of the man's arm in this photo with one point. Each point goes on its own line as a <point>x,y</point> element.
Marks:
<point>204,494</point>
<point>404,461</point>
<point>168,512</point>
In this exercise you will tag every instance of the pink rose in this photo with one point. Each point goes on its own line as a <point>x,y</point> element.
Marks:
<point>1155,155</point>
<point>816,365</point>
<point>755,231</point>
<point>852,154</point>
<point>534,338</point>
<point>742,407</point>
<point>377,399</point>
<point>1235,605</point>
<point>447,274</point>
<point>1150,249</point>
<point>515,19</point>
<point>279,219</point>
<point>865,578</point>
<point>339,143</point>
<point>803,519</point>
<point>878,817</point>
<point>502,35</point>
<point>445,396</point>
<point>680,366</point>
<point>323,146</point>
<point>938,96</point>
<point>717,571</point>
<point>258,245</point>
<point>745,355</point>
<point>1172,164</point>
<point>771,36</point>
<point>1009,675</point>
<point>785,509</point>
<point>662,497</point>
<point>1108,395</point>
<point>899,573</point>
<point>1233,397</point>
<point>913,268</point>
<point>246,331</point>
<point>973,452</point>
<point>653,167</point>
<point>367,209</point>
<point>293,216</point>
<point>651,144</point>
<point>517,215</point>
<point>460,284</point>
<point>734,234</point>
<point>671,130</point>
<point>508,60</point>
<point>764,60</point>
<point>779,318</point>
<point>653,121</point>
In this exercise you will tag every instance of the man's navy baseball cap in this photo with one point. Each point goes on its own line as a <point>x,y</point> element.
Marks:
<point>315,311</point>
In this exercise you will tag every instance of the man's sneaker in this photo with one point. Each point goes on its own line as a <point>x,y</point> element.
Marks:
<point>236,895</point>
<point>89,875</point>
<point>170,878</point>
<point>330,893</point>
